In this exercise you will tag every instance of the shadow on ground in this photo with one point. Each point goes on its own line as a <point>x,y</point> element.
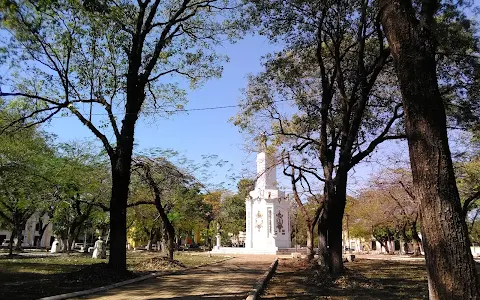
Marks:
<point>364,279</point>
<point>229,281</point>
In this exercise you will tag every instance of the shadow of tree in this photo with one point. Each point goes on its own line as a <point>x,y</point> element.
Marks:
<point>363,279</point>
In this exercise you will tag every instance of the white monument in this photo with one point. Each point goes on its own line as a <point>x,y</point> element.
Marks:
<point>55,246</point>
<point>267,211</point>
<point>100,251</point>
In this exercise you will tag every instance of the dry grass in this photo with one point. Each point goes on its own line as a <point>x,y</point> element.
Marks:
<point>363,279</point>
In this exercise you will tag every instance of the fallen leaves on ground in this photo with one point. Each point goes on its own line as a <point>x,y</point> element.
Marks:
<point>160,263</point>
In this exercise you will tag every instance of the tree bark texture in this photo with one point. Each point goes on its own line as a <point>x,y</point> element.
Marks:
<point>118,215</point>
<point>417,242</point>
<point>310,237</point>
<point>19,228</point>
<point>335,211</point>
<point>169,233</point>
<point>41,232</point>
<point>450,265</point>
<point>10,245</point>
<point>323,240</point>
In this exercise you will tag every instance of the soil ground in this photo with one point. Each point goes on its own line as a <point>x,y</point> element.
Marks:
<point>34,276</point>
<point>231,279</point>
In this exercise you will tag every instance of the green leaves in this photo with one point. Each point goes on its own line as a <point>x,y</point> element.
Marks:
<point>25,174</point>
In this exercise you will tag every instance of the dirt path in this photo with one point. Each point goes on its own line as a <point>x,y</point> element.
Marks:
<point>231,279</point>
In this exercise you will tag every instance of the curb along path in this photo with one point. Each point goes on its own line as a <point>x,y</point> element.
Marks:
<point>231,279</point>
<point>262,282</point>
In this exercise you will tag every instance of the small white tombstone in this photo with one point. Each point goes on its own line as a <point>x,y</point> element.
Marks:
<point>100,250</point>
<point>55,246</point>
<point>218,242</point>
<point>296,255</point>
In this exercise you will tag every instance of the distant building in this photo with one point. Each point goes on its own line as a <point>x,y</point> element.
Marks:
<point>237,240</point>
<point>31,232</point>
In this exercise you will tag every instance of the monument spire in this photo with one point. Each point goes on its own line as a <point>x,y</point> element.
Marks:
<point>266,166</point>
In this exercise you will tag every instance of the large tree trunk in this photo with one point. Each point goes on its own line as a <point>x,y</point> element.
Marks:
<point>70,243</point>
<point>323,240</point>
<point>18,230</point>
<point>171,237</point>
<point>450,265</point>
<point>118,215</point>
<point>71,237</point>
<point>77,233</point>
<point>335,210</point>
<point>168,240</point>
<point>335,241</point>
<point>121,161</point>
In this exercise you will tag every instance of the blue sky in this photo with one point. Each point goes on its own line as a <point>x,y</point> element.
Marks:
<point>197,133</point>
<point>209,132</point>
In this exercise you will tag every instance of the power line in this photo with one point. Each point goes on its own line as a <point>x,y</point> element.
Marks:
<point>173,111</point>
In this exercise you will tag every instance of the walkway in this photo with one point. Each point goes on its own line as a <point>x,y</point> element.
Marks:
<point>231,279</point>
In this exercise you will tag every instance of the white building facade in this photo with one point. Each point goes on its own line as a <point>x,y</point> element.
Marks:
<point>267,211</point>
<point>31,232</point>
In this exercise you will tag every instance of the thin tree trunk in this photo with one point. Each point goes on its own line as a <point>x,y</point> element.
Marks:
<point>149,243</point>
<point>168,230</point>
<point>10,246</point>
<point>19,229</point>
<point>450,266</point>
<point>403,233</point>
<point>310,237</point>
<point>65,245</point>
<point>209,240</point>
<point>383,244</point>
<point>41,232</point>
<point>390,250</point>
